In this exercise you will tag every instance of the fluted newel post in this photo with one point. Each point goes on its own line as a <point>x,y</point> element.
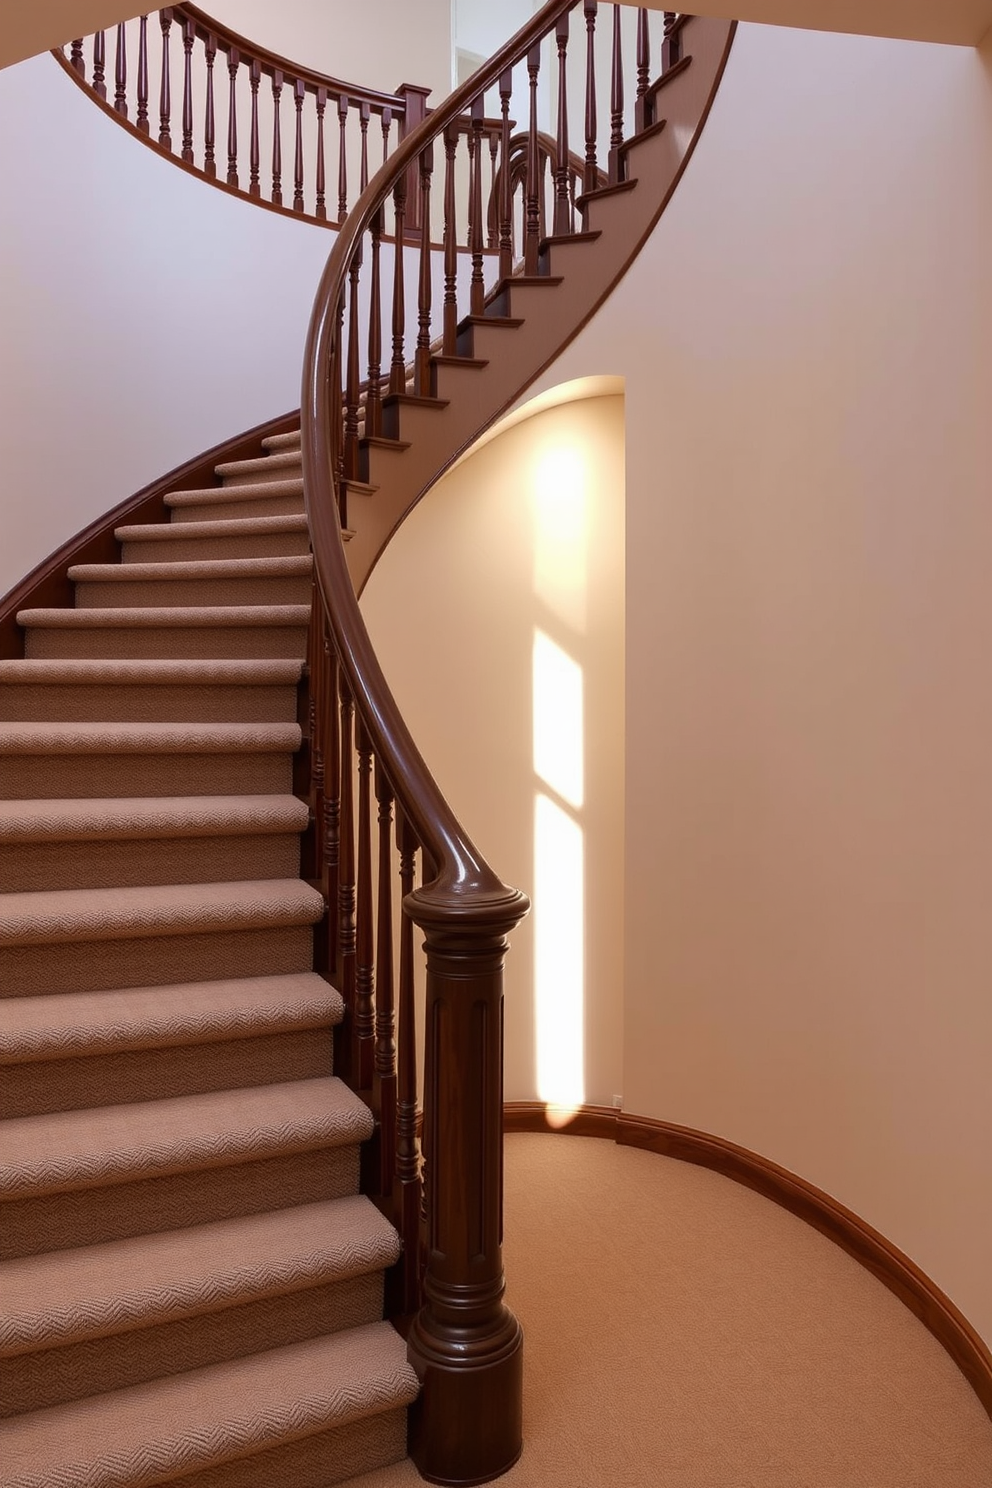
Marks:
<point>465,1345</point>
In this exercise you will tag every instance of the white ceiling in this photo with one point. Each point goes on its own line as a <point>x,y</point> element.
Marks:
<point>29,29</point>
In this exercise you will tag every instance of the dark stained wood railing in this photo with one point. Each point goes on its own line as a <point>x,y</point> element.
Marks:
<point>380,330</point>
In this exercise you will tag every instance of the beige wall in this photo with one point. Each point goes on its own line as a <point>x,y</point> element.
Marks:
<point>809,613</point>
<point>525,534</point>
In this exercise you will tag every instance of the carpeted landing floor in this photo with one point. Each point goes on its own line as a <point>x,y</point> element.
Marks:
<point>683,1332</point>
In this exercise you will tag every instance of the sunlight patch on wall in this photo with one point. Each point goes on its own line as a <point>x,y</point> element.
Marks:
<point>558,723</point>
<point>559,959</point>
<point>560,503</point>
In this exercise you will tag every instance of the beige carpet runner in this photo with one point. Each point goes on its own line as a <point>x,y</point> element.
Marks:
<point>190,1283</point>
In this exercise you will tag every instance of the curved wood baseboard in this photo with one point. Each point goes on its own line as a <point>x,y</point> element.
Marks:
<point>841,1225</point>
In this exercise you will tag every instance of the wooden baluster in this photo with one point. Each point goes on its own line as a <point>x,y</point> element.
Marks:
<point>671,46</point>
<point>590,176</point>
<point>532,216</point>
<point>387,124</point>
<point>641,119</point>
<point>277,82</point>
<point>384,1078</point>
<point>120,73</point>
<point>506,178</point>
<point>364,965</point>
<point>492,215</point>
<point>254,147</point>
<point>346,879</point>
<point>616,101</point>
<point>165,90</point>
<point>299,93</point>
<point>406,1186</point>
<point>343,106</point>
<point>210,117</point>
<point>353,390</point>
<point>76,58</point>
<point>321,210</point>
<point>422,360</point>
<point>373,396</point>
<point>233,63</point>
<point>142,119</point>
<point>317,666</point>
<point>562,213</point>
<point>100,64</point>
<point>449,345</point>
<point>364,114</point>
<point>477,291</point>
<point>189,36</point>
<point>397,369</point>
<point>332,796</point>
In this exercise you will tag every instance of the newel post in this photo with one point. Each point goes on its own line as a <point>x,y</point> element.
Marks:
<point>464,1344</point>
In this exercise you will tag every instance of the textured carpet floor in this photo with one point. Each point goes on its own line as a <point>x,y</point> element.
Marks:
<point>683,1332</point>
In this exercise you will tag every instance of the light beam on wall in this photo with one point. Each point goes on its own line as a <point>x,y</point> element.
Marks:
<point>560,505</point>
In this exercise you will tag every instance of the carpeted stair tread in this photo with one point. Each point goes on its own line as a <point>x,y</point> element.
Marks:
<point>68,915</point>
<point>183,617</point>
<point>90,1023</point>
<point>90,820</point>
<point>276,464</point>
<point>66,1151</point>
<point>276,442</point>
<point>294,566</point>
<point>65,1297</point>
<point>167,532</point>
<point>171,672</point>
<point>155,1432</point>
<point>221,495</point>
<point>145,738</point>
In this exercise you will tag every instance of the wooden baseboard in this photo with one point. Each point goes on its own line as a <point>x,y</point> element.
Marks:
<point>854,1235</point>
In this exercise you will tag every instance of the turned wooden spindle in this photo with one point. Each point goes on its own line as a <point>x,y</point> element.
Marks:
<point>120,73</point>
<point>492,223</point>
<point>77,58</point>
<point>364,114</point>
<point>616,101</point>
<point>353,387</point>
<point>210,116</point>
<point>505,177</point>
<point>384,1072</point>
<point>532,212</point>
<point>477,288</point>
<point>591,172</point>
<point>100,64</point>
<point>449,344</point>
<point>671,46</point>
<point>373,395</point>
<point>422,359</point>
<point>165,89</point>
<point>321,207</point>
<point>299,94</point>
<point>364,1022</point>
<point>317,668</point>
<point>562,212</point>
<point>189,36</point>
<point>387,124</point>
<point>233,63</point>
<point>397,368</point>
<point>277,82</point>
<point>346,877</point>
<point>343,107</point>
<point>254,145</point>
<point>407,1180</point>
<point>332,799</point>
<point>641,119</point>
<point>142,118</point>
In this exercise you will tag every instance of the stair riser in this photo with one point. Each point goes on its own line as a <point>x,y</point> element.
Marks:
<point>34,777</point>
<point>90,1216</point>
<point>58,1375</point>
<point>279,444</point>
<point>311,1461</point>
<point>30,867</point>
<point>239,508</point>
<point>37,703</point>
<point>155,961</point>
<point>288,469</point>
<point>198,643</point>
<point>194,549</point>
<point>159,1074</point>
<point>150,594</point>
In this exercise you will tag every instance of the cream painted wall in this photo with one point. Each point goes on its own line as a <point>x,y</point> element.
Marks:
<point>476,570</point>
<point>809,614</point>
<point>144,317</point>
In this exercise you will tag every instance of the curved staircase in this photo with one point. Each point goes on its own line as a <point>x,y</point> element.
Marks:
<point>192,1283</point>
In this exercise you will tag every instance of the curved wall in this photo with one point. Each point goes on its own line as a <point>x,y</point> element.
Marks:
<point>807,347</point>
<point>145,317</point>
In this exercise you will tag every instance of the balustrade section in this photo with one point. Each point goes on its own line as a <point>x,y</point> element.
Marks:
<point>470,206</point>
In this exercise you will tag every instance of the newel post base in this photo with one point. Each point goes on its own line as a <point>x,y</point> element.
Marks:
<point>465,1344</point>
